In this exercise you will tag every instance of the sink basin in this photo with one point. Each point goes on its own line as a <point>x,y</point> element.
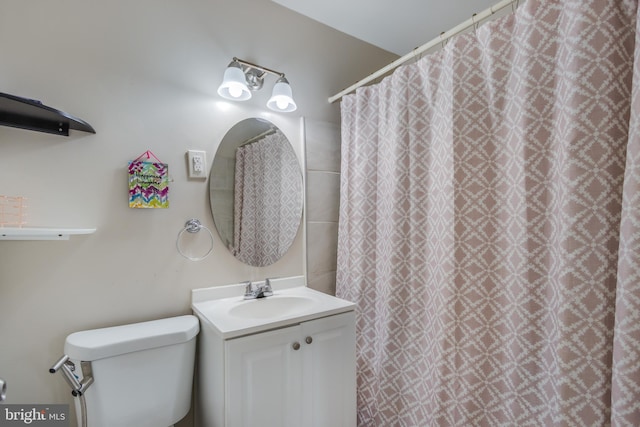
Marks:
<point>224,309</point>
<point>275,306</point>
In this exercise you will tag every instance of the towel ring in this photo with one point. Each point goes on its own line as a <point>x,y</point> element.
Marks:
<point>194,226</point>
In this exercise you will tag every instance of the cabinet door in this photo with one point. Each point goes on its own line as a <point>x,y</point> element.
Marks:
<point>329,365</point>
<point>263,381</point>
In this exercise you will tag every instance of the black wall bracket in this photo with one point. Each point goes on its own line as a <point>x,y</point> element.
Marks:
<point>31,114</point>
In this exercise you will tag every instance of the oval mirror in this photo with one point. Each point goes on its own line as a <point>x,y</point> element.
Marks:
<point>255,192</point>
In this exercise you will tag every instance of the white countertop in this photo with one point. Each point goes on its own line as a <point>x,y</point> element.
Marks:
<point>225,310</point>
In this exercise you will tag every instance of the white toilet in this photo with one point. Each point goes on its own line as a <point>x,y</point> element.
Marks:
<point>142,373</point>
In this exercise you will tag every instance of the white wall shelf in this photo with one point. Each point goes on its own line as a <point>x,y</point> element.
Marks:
<point>41,233</point>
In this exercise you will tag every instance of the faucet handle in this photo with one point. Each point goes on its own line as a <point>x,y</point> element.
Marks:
<point>267,288</point>
<point>248,288</point>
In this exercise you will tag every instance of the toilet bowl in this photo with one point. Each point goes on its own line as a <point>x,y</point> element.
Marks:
<point>142,373</point>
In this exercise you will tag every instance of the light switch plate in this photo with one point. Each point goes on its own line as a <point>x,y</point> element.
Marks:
<point>197,164</point>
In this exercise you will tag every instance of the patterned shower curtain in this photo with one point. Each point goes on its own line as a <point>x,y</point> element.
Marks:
<point>490,225</point>
<point>266,178</point>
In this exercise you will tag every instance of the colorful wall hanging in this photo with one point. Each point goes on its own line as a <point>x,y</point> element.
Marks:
<point>148,182</point>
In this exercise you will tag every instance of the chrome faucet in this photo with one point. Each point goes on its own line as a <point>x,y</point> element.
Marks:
<point>257,290</point>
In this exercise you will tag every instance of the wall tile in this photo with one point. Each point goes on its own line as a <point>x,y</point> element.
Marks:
<point>323,146</point>
<point>323,198</point>
<point>323,189</point>
<point>323,247</point>
<point>324,282</point>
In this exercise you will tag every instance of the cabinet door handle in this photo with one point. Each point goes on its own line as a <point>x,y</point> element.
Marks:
<point>308,340</point>
<point>296,345</point>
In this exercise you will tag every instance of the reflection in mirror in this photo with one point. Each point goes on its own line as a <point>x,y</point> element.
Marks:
<point>255,191</point>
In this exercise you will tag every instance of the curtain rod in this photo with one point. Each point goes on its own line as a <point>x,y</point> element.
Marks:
<point>253,139</point>
<point>473,21</point>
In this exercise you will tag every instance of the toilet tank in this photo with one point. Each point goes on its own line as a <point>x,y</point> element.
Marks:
<point>143,372</point>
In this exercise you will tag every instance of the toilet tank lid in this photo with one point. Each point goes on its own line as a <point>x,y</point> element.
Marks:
<point>97,344</point>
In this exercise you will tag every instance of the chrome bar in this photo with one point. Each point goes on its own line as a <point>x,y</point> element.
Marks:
<point>258,67</point>
<point>67,370</point>
<point>58,364</point>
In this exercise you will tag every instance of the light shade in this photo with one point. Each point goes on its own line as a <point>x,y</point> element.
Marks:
<point>234,84</point>
<point>282,97</point>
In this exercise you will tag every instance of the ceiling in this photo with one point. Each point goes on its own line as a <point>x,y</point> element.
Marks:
<point>397,26</point>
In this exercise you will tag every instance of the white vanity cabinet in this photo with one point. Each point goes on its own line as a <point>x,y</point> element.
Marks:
<point>299,376</point>
<point>288,360</point>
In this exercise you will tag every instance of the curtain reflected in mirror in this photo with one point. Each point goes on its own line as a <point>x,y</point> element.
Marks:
<point>256,192</point>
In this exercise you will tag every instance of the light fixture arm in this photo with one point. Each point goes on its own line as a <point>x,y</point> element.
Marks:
<point>258,67</point>
<point>241,77</point>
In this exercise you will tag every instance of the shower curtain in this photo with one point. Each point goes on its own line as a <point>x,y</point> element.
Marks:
<point>266,177</point>
<point>490,225</point>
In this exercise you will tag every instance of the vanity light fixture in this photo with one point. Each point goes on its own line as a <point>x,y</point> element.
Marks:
<point>242,77</point>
